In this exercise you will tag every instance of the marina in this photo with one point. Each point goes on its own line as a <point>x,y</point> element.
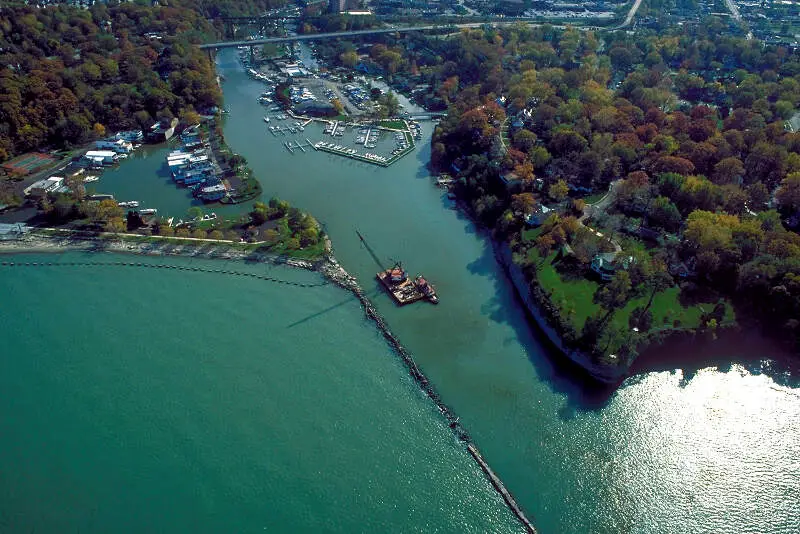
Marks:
<point>366,135</point>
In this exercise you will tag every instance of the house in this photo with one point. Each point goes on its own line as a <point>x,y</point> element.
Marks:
<point>509,178</point>
<point>606,264</point>
<point>117,145</point>
<point>101,157</point>
<point>43,187</point>
<point>682,269</point>
<point>539,214</point>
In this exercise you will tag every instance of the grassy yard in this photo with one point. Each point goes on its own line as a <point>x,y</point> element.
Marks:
<point>594,197</point>
<point>574,296</point>
<point>397,125</point>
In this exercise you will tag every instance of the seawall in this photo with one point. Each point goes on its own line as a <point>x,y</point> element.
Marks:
<point>601,373</point>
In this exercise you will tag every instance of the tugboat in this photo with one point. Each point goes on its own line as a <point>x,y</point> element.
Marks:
<point>428,290</point>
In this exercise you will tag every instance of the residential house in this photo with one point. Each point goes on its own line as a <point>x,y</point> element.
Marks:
<point>606,264</point>
<point>538,215</point>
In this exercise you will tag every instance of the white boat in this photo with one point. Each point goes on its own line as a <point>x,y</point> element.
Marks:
<point>148,211</point>
<point>129,204</point>
<point>266,119</point>
<point>90,179</point>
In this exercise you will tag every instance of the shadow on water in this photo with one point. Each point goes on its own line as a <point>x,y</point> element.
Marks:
<point>582,393</point>
<point>320,313</point>
<point>748,349</point>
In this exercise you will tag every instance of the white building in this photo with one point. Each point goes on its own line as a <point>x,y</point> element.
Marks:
<point>117,145</point>
<point>43,187</point>
<point>101,157</point>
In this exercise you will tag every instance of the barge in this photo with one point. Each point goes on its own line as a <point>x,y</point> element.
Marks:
<point>404,290</point>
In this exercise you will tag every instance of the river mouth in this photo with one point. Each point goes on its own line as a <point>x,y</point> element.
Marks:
<point>577,460</point>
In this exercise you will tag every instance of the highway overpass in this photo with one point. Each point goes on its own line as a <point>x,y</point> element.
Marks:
<point>332,35</point>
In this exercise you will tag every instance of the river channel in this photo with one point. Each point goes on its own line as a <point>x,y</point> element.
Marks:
<point>694,447</point>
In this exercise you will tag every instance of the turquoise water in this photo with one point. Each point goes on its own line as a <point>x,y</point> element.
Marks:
<point>136,400</point>
<point>163,396</point>
<point>670,451</point>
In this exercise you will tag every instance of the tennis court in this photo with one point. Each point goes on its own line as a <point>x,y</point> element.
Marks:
<point>28,163</point>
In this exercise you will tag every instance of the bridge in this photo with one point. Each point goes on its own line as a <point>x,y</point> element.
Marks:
<point>407,29</point>
<point>330,35</point>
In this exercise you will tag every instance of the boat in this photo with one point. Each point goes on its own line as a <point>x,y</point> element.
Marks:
<point>428,290</point>
<point>129,204</point>
<point>148,211</point>
<point>90,179</point>
<point>266,119</point>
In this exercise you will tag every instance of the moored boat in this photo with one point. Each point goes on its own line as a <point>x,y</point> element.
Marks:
<point>427,289</point>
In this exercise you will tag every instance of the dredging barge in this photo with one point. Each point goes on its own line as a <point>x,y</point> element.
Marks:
<point>404,290</point>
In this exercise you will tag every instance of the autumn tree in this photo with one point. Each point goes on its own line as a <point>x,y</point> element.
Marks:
<point>788,194</point>
<point>558,191</point>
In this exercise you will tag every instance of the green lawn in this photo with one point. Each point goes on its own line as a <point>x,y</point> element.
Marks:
<point>397,125</point>
<point>574,297</point>
<point>594,197</point>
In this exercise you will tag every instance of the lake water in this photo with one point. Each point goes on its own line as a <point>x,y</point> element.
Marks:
<point>283,403</point>
<point>137,400</point>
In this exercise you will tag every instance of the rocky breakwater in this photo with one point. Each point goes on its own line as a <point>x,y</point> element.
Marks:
<point>336,274</point>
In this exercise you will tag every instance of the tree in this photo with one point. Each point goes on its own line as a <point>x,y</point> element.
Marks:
<point>539,157</point>
<point>75,183</point>
<point>788,194</point>
<point>544,244</point>
<point>728,171</point>
<point>558,191</point>
<point>216,235</point>
<point>107,210</point>
<point>657,279</point>
<point>615,294</point>
<point>349,58</point>
<point>99,130</point>
<point>758,195</point>
<point>199,233</point>
<point>115,225</point>
<point>664,214</point>
<point>182,232</point>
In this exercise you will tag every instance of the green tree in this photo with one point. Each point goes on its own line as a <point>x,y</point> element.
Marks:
<point>558,191</point>
<point>788,194</point>
<point>615,294</point>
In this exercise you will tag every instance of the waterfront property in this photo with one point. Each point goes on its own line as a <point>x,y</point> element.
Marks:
<point>101,157</point>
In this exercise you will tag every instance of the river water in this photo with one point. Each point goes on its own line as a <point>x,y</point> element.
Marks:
<point>135,399</point>
<point>696,447</point>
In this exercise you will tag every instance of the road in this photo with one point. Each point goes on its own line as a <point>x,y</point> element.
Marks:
<point>734,10</point>
<point>631,13</point>
<point>336,35</point>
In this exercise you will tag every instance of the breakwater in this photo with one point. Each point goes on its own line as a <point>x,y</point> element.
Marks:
<point>331,269</point>
<point>157,266</point>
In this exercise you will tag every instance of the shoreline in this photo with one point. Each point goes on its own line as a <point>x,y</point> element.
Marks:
<point>327,267</point>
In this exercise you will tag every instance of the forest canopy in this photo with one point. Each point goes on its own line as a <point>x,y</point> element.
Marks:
<point>70,75</point>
